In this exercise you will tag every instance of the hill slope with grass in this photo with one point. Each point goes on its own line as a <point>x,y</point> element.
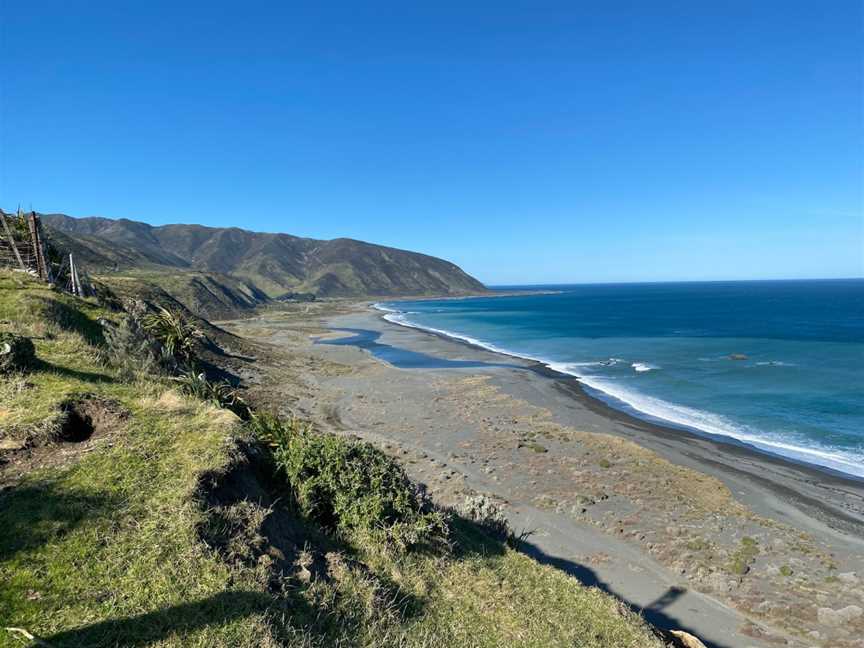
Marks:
<point>274,263</point>
<point>142,503</point>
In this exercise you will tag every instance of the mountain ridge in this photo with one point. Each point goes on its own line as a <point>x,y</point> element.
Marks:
<point>272,263</point>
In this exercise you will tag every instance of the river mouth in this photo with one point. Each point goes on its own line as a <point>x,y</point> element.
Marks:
<point>405,358</point>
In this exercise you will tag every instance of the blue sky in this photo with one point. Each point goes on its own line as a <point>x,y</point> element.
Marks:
<point>529,142</point>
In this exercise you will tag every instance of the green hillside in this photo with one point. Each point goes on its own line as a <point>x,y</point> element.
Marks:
<point>274,263</point>
<point>135,509</point>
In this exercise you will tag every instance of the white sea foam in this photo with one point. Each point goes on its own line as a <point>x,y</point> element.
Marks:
<point>386,309</point>
<point>642,367</point>
<point>664,411</point>
<point>719,426</point>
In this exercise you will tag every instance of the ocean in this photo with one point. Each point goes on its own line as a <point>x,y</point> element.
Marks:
<point>776,365</point>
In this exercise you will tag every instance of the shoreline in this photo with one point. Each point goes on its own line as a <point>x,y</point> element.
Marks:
<point>643,511</point>
<point>800,485</point>
<point>602,404</point>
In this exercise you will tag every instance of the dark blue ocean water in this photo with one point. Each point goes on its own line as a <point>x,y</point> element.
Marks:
<point>778,365</point>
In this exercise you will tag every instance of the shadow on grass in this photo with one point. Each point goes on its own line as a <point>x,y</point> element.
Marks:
<point>145,629</point>
<point>75,374</point>
<point>472,539</point>
<point>38,514</point>
<point>72,319</point>
<point>653,613</point>
<point>33,515</point>
<point>286,532</point>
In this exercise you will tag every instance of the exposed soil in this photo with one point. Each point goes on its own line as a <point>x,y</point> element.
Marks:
<point>250,520</point>
<point>82,424</point>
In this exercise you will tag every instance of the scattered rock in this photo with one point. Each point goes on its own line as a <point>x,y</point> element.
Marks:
<point>850,578</point>
<point>719,583</point>
<point>686,639</point>
<point>836,618</point>
<point>13,444</point>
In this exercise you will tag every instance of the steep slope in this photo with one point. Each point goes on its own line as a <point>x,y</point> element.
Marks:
<point>132,241</point>
<point>136,514</point>
<point>275,263</point>
<point>347,267</point>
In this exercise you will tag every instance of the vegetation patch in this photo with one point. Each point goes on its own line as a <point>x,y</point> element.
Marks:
<point>180,533</point>
<point>176,334</point>
<point>533,446</point>
<point>219,393</point>
<point>17,353</point>
<point>350,486</point>
<point>744,557</point>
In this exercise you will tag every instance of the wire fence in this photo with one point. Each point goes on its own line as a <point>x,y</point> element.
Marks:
<point>25,248</point>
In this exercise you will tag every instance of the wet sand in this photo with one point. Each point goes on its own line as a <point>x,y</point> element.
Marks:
<point>739,547</point>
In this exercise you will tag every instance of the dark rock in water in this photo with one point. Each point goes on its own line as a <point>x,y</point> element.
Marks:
<point>737,356</point>
<point>16,353</point>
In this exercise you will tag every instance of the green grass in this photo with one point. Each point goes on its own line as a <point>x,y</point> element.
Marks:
<point>698,544</point>
<point>740,561</point>
<point>104,548</point>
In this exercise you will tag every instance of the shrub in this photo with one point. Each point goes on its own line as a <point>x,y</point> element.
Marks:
<point>174,332</point>
<point>351,487</point>
<point>744,557</point>
<point>486,513</point>
<point>274,431</point>
<point>16,353</point>
<point>219,393</point>
<point>129,348</point>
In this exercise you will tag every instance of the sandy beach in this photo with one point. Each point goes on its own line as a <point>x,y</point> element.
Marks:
<point>736,546</point>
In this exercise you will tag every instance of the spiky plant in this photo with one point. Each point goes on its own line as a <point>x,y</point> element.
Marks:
<point>219,393</point>
<point>174,332</point>
<point>275,431</point>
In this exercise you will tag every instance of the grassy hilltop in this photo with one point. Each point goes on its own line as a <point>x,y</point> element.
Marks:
<point>134,513</point>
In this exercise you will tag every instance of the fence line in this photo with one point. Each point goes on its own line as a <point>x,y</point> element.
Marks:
<point>24,248</point>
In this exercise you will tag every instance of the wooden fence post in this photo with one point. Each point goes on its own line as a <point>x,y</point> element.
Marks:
<point>11,240</point>
<point>38,247</point>
<point>73,274</point>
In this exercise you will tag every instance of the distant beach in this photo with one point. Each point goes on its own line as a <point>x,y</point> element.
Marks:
<point>672,354</point>
<point>722,540</point>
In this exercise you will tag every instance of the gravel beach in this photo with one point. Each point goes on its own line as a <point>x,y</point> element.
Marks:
<point>736,546</point>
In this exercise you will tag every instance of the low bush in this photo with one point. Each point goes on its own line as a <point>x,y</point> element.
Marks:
<point>351,487</point>
<point>16,353</point>
<point>218,393</point>
<point>174,332</point>
<point>485,512</point>
<point>130,349</point>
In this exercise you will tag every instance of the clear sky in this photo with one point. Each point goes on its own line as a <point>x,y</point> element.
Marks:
<point>529,142</point>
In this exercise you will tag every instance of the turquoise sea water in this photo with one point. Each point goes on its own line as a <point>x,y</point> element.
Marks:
<point>778,365</point>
